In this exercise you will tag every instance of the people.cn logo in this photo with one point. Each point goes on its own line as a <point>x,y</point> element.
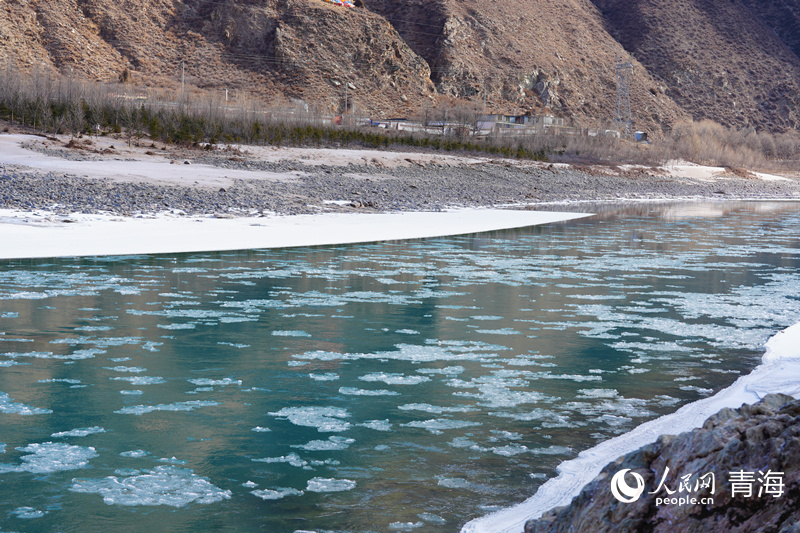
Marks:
<point>624,492</point>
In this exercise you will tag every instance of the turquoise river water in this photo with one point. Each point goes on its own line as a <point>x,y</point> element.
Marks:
<point>381,387</point>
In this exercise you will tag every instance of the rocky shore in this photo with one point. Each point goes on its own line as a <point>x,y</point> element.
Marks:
<point>313,188</point>
<point>752,455</point>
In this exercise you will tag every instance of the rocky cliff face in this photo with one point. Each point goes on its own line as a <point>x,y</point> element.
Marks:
<point>273,49</point>
<point>757,440</point>
<point>528,55</point>
<point>735,62</point>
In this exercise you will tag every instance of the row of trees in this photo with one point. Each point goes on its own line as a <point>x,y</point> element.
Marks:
<point>64,105</point>
<point>51,103</point>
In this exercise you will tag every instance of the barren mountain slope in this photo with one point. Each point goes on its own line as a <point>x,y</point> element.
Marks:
<point>318,52</point>
<point>47,33</point>
<point>717,59</point>
<point>695,58</point>
<point>526,54</point>
<point>782,16</point>
<point>294,48</point>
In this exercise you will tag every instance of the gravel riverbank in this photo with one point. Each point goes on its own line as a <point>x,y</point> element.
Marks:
<point>307,188</point>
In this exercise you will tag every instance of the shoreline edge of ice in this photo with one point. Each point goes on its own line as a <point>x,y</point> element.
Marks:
<point>780,362</point>
<point>25,236</point>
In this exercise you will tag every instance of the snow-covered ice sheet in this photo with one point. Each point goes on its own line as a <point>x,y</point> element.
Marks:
<point>91,235</point>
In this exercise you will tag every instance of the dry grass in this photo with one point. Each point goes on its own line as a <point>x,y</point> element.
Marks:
<point>704,142</point>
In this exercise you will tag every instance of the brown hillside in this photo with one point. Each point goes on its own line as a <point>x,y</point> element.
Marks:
<point>393,57</point>
<point>782,17</point>
<point>526,55</point>
<point>279,48</point>
<point>717,59</point>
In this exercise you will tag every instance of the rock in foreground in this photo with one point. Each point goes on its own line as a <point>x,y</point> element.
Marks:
<point>740,472</point>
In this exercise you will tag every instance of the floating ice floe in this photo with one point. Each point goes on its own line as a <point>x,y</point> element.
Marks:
<point>14,340</point>
<point>432,518</point>
<point>27,513</point>
<point>430,352</point>
<point>377,425</point>
<point>447,371</point>
<point>334,443</point>
<point>100,342</point>
<point>353,391</point>
<point>276,494</point>
<point>60,380</point>
<point>406,526</point>
<point>290,333</point>
<point>79,432</point>
<point>259,429</point>
<point>437,425</point>
<point>700,390</point>
<point>141,380</point>
<point>435,409</point>
<point>234,344</point>
<point>292,459</point>
<point>502,434</point>
<point>502,331</point>
<point>320,484</point>
<point>94,328</point>
<point>177,406</point>
<point>495,391</point>
<point>325,419</point>
<point>131,369</point>
<point>134,453</point>
<point>215,382</point>
<point>77,355</point>
<point>464,484</point>
<point>510,450</point>
<point>181,313</point>
<point>163,485</point>
<point>9,406</point>
<point>597,393</point>
<point>328,376</point>
<point>49,457</point>
<point>172,460</point>
<point>394,379</point>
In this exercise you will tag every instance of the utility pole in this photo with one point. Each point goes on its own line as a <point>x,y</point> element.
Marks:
<point>183,72</point>
<point>623,76</point>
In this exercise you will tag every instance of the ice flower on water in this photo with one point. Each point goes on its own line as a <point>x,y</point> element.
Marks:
<point>49,457</point>
<point>163,485</point>
<point>319,484</point>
